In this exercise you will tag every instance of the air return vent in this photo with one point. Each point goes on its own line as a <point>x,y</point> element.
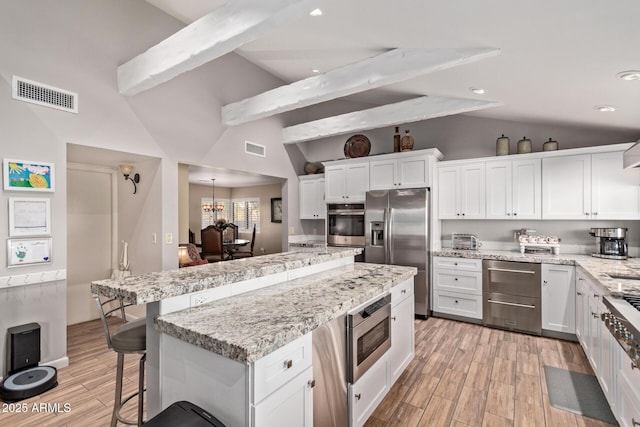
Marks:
<point>45,95</point>
<point>255,149</point>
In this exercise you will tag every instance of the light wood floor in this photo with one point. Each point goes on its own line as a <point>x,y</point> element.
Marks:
<point>462,375</point>
<point>467,375</point>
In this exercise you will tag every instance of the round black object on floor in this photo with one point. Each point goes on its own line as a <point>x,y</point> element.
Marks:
<point>28,383</point>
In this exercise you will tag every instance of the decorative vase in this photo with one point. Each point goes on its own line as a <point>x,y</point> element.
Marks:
<point>396,140</point>
<point>524,146</point>
<point>502,146</point>
<point>550,145</point>
<point>407,141</point>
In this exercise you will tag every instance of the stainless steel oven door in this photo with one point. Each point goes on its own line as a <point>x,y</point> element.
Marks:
<point>369,338</point>
<point>345,227</point>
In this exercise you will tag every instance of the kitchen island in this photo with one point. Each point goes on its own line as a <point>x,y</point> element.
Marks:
<point>243,310</point>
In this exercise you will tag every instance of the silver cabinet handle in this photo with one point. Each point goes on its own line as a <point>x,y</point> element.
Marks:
<point>404,291</point>
<point>545,282</point>
<point>393,318</point>
<point>595,213</point>
<point>506,270</point>
<point>312,383</point>
<point>579,293</point>
<point>288,364</point>
<point>514,214</point>
<point>586,213</point>
<point>595,315</point>
<point>512,304</point>
<point>358,396</point>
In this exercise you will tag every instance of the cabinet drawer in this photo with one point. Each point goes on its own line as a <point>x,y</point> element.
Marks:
<point>458,281</point>
<point>460,264</point>
<point>458,304</point>
<point>279,367</point>
<point>401,291</point>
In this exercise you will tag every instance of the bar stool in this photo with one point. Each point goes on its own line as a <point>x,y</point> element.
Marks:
<point>129,338</point>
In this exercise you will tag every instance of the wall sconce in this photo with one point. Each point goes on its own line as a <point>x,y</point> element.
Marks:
<point>126,171</point>
<point>183,256</point>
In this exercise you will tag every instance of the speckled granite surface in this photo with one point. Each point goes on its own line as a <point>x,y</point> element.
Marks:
<point>598,269</point>
<point>151,287</point>
<point>249,326</point>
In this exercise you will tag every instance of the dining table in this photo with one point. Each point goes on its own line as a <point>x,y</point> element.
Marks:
<point>230,246</point>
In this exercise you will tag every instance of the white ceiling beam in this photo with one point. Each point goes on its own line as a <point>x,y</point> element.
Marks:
<point>413,110</point>
<point>390,67</point>
<point>216,34</point>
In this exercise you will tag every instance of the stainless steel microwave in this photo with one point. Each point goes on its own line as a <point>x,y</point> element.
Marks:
<point>345,225</point>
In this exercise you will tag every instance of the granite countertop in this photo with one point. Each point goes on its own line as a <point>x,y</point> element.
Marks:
<point>152,287</point>
<point>249,326</point>
<point>599,269</point>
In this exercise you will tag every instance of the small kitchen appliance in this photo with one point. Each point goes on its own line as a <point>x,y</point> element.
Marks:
<point>26,379</point>
<point>465,241</point>
<point>610,243</point>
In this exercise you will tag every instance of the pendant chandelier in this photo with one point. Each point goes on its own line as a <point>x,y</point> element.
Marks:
<point>213,206</point>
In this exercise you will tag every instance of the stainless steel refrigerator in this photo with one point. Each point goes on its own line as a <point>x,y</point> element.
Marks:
<point>397,232</point>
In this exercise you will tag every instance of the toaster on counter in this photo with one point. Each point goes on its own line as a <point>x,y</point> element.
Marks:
<point>465,241</point>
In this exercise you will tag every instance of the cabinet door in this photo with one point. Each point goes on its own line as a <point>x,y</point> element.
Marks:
<point>291,405</point>
<point>448,189</point>
<point>595,346</point>
<point>402,344</point>
<point>566,187</point>
<point>382,175</point>
<point>321,207</point>
<point>334,184</point>
<point>527,189</point>
<point>367,393</point>
<point>615,192</point>
<point>558,298</point>
<point>582,308</point>
<point>472,191</point>
<point>356,182</point>
<point>413,172</point>
<point>308,199</point>
<point>499,191</point>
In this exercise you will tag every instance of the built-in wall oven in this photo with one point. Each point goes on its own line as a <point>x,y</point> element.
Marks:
<point>368,335</point>
<point>345,225</point>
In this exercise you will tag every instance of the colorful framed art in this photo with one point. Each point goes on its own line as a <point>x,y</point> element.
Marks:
<point>28,251</point>
<point>24,175</point>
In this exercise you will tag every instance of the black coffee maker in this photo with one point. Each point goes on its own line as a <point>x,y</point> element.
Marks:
<point>610,242</point>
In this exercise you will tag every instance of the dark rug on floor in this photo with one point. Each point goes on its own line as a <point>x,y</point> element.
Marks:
<point>578,393</point>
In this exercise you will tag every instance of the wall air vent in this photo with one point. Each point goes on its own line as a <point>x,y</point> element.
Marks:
<point>45,95</point>
<point>255,149</point>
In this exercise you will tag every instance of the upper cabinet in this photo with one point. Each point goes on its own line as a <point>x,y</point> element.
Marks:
<point>402,172</point>
<point>513,189</point>
<point>590,186</point>
<point>311,197</point>
<point>346,183</point>
<point>461,191</point>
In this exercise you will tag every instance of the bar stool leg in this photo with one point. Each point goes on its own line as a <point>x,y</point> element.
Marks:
<point>118,396</point>
<point>143,359</point>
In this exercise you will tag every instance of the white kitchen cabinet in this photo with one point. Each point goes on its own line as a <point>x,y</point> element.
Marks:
<point>405,172</point>
<point>367,393</point>
<point>559,298</point>
<point>582,311</point>
<point>402,336</point>
<point>346,183</point>
<point>291,405</point>
<point>628,390</point>
<point>457,287</point>
<point>589,186</point>
<point>513,189</point>
<point>461,191</point>
<point>311,197</point>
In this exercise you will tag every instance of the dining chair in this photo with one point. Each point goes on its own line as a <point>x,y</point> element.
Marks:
<point>128,338</point>
<point>246,254</point>
<point>234,227</point>
<point>213,244</point>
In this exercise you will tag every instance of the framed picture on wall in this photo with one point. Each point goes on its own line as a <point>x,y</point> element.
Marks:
<point>276,209</point>
<point>29,216</point>
<point>28,251</point>
<point>24,175</point>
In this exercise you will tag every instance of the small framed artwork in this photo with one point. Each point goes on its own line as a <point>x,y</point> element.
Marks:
<point>276,209</point>
<point>23,175</point>
<point>28,251</point>
<point>29,217</point>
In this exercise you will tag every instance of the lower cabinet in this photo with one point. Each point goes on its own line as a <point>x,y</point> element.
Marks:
<point>457,287</point>
<point>559,298</point>
<point>291,405</point>
<point>402,335</point>
<point>367,393</point>
<point>628,392</point>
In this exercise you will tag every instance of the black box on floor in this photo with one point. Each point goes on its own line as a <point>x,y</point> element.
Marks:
<point>23,349</point>
<point>184,414</point>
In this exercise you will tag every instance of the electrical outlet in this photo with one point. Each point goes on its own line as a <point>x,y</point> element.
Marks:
<point>262,250</point>
<point>154,238</point>
<point>198,300</point>
<point>291,230</point>
<point>168,238</point>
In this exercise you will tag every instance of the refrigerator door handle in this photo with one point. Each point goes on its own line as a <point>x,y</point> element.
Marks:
<point>390,236</point>
<point>385,220</point>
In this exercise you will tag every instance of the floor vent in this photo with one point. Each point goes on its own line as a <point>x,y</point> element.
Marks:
<point>45,95</point>
<point>255,149</point>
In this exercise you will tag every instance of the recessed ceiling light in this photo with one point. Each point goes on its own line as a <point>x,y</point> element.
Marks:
<point>477,90</point>
<point>315,70</point>
<point>315,12</point>
<point>605,108</point>
<point>629,75</point>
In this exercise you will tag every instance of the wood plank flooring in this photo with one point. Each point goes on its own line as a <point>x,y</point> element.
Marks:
<point>462,375</point>
<point>467,375</point>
